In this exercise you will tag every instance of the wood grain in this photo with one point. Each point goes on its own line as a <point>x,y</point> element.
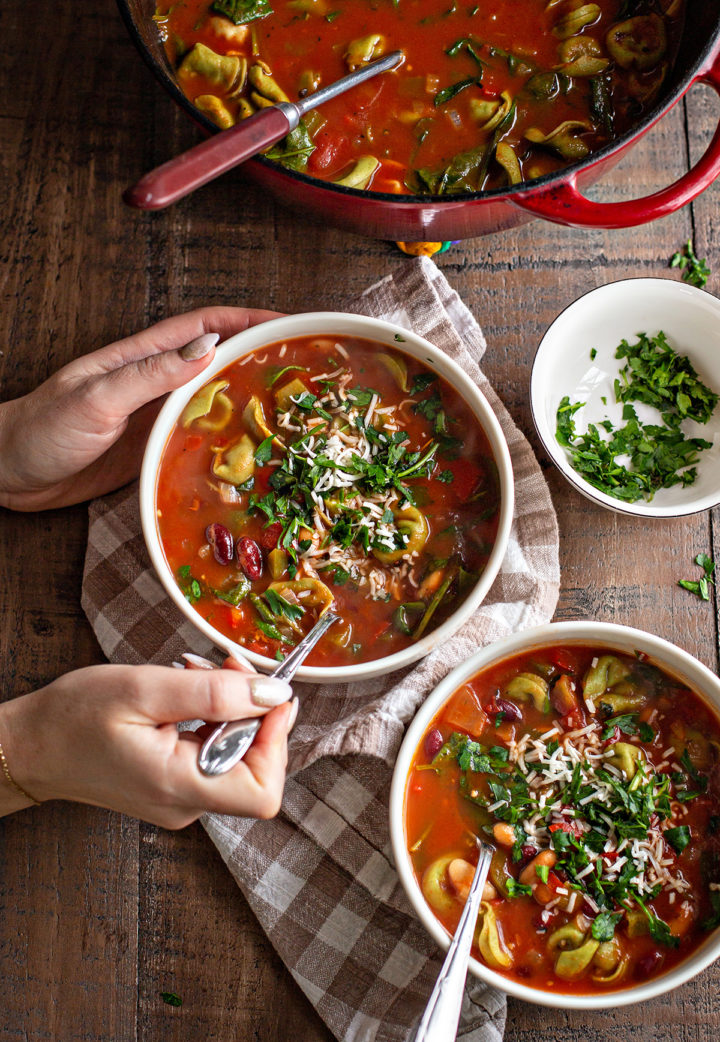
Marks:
<point>99,914</point>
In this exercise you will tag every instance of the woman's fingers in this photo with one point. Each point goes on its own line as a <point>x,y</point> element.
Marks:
<point>129,374</point>
<point>253,788</point>
<point>206,694</point>
<point>172,334</point>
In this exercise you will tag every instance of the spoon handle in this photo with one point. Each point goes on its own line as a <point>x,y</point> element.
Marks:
<point>442,1013</point>
<point>229,742</point>
<point>181,175</point>
<point>190,170</point>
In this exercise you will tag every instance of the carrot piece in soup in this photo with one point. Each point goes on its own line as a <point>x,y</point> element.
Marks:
<point>467,714</point>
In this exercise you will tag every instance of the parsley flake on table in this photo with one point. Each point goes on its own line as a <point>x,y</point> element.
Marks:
<point>170,998</point>
<point>694,271</point>
<point>701,587</point>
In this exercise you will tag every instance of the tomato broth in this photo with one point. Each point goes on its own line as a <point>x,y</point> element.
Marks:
<point>594,776</point>
<point>327,471</point>
<point>490,93</point>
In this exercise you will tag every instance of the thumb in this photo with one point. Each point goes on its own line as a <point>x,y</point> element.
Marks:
<point>117,394</point>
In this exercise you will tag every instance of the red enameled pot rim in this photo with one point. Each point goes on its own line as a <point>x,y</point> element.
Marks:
<point>162,72</point>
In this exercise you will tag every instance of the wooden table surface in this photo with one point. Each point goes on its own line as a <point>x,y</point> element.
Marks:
<point>100,913</point>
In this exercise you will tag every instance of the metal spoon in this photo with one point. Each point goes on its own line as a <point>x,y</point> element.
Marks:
<point>442,1013</point>
<point>183,174</point>
<point>229,742</point>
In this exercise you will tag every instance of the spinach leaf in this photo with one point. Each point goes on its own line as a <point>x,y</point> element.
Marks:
<point>293,151</point>
<point>447,93</point>
<point>242,11</point>
<point>678,838</point>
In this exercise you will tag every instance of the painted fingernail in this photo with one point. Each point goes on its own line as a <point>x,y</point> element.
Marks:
<point>198,347</point>
<point>193,661</point>
<point>294,706</point>
<point>269,692</point>
<point>235,662</point>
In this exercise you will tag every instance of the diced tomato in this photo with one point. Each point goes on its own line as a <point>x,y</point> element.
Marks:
<point>571,827</point>
<point>574,719</point>
<point>564,660</point>
<point>193,442</point>
<point>466,713</point>
<point>269,536</point>
<point>554,881</point>
<point>233,617</point>
<point>329,152</point>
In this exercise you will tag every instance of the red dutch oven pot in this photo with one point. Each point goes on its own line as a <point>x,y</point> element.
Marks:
<point>557,197</point>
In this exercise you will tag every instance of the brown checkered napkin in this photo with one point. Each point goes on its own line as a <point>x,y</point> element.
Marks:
<point>320,877</point>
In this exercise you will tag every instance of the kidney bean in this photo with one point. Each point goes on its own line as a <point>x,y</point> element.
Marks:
<point>221,542</point>
<point>433,743</point>
<point>249,557</point>
<point>649,963</point>
<point>528,851</point>
<point>509,710</point>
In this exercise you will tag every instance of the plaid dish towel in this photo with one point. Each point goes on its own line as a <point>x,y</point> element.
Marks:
<point>320,877</point>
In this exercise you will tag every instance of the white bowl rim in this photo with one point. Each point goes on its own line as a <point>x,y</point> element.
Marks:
<point>341,324</point>
<point>678,663</point>
<point>555,451</point>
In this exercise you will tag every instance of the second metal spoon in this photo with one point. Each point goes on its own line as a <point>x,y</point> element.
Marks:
<point>442,1013</point>
<point>229,742</point>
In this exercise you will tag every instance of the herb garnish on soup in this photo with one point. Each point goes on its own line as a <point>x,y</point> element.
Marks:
<point>324,472</point>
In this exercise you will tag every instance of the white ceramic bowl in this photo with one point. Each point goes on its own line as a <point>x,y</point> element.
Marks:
<point>601,319</point>
<point>618,638</point>
<point>331,324</point>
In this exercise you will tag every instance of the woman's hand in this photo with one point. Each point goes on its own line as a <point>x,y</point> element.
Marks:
<point>107,735</point>
<point>82,433</point>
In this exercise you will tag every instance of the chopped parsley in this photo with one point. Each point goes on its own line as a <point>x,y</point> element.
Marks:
<point>516,889</point>
<point>170,998</point>
<point>700,587</point>
<point>660,455</point>
<point>694,271</point>
<point>190,586</point>
<point>603,926</point>
<point>627,723</point>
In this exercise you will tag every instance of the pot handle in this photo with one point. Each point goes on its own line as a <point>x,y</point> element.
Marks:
<point>565,204</point>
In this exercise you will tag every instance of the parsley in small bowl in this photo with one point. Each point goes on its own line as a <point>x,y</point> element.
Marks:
<point>624,394</point>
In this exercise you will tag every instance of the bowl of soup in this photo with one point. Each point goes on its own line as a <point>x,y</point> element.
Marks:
<point>500,111</point>
<point>327,461</point>
<point>588,756</point>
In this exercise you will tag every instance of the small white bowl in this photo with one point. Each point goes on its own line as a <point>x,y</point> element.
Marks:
<point>331,324</point>
<point>600,320</point>
<point>674,661</point>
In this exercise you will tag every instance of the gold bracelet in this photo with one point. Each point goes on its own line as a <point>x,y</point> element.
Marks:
<point>11,781</point>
